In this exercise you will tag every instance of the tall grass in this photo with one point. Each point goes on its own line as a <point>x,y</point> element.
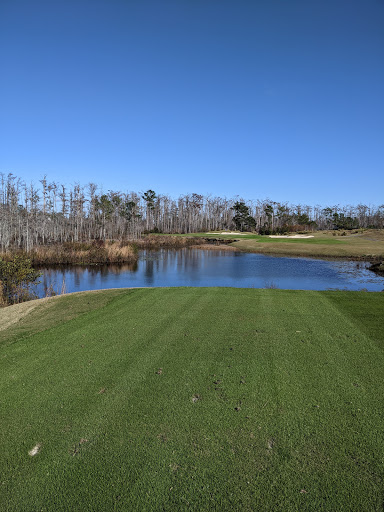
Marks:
<point>169,241</point>
<point>98,251</point>
<point>60,290</point>
<point>217,246</point>
<point>82,253</point>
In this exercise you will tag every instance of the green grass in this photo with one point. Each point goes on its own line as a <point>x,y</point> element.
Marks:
<point>221,235</point>
<point>360,245</point>
<point>309,241</point>
<point>267,239</point>
<point>266,400</point>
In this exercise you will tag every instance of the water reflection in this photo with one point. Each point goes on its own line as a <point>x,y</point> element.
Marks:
<point>196,267</point>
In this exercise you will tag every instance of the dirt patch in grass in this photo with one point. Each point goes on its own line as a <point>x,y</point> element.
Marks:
<point>35,450</point>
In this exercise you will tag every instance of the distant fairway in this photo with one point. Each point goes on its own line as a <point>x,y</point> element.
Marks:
<point>359,244</point>
<point>193,399</point>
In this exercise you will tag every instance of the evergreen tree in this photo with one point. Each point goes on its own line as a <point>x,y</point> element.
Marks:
<point>242,218</point>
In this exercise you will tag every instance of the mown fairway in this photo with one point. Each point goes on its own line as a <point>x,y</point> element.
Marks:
<point>358,244</point>
<point>194,399</point>
<point>365,245</point>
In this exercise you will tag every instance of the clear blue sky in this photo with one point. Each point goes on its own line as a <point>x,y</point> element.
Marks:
<point>257,98</point>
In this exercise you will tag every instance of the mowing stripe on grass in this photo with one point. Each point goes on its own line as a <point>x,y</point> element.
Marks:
<point>266,400</point>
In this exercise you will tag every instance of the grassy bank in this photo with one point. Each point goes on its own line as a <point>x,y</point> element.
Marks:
<point>193,399</point>
<point>360,245</point>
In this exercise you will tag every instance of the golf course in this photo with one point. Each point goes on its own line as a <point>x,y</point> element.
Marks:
<point>359,244</point>
<point>197,399</point>
<point>191,256</point>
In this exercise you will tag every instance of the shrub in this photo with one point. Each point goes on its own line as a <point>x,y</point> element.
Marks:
<point>17,276</point>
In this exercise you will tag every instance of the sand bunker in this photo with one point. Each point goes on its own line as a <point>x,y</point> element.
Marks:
<point>244,234</point>
<point>291,236</point>
<point>227,233</point>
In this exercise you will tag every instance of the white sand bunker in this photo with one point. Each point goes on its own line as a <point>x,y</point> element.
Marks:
<point>291,236</point>
<point>226,233</point>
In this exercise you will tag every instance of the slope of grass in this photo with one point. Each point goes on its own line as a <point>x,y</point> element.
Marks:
<point>327,240</point>
<point>194,399</point>
<point>317,247</point>
<point>266,238</point>
<point>366,245</point>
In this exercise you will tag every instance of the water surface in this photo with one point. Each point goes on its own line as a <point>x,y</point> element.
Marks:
<point>197,267</point>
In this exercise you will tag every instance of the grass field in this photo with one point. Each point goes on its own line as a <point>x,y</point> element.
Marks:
<point>193,399</point>
<point>361,244</point>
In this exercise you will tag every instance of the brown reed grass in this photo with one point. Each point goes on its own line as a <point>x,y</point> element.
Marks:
<point>98,251</point>
<point>80,253</point>
<point>167,241</point>
<point>217,247</point>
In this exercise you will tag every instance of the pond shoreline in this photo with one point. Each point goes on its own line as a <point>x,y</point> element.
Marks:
<point>202,266</point>
<point>289,254</point>
<point>97,252</point>
<point>376,266</point>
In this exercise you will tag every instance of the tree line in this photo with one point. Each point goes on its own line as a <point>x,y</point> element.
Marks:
<point>50,212</point>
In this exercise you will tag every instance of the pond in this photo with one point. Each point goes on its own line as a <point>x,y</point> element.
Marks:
<point>198,267</point>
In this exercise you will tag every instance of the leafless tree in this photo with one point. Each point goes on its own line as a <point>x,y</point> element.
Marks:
<point>50,213</point>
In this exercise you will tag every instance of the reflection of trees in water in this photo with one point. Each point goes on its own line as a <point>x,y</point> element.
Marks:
<point>148,269</point>
<point>193,259</point>
<point>120,269</point>
<point>199,267</point>
<point>56,279</point>
<point>104,270</point>
<point>52,280</point>
<point>78,274</point>
<point>172,261</point>
<point>152,263</point>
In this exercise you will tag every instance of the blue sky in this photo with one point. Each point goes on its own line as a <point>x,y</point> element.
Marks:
<point>257,98</point>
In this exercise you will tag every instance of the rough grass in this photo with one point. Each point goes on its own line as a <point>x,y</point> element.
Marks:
<point>98,251</point>
<point>194,399</point>
<point>79,253</point>
<point>157,241</point>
